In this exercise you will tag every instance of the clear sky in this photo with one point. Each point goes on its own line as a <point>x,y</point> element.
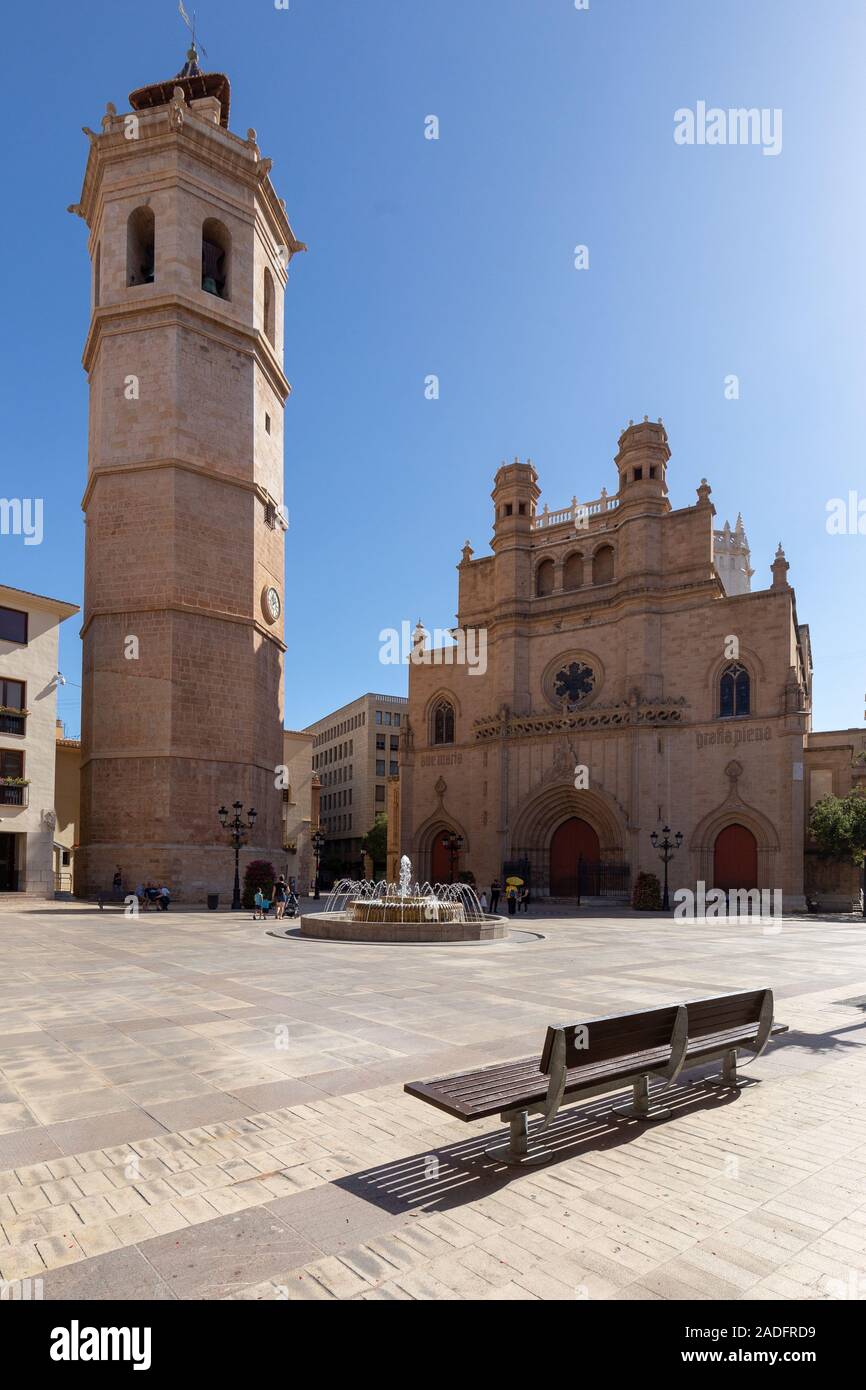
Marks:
<point>456,257</point>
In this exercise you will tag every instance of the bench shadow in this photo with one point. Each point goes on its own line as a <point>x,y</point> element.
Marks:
<point>454,1174</point>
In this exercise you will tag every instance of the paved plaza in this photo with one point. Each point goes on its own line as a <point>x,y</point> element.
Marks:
<point>192,1109</point>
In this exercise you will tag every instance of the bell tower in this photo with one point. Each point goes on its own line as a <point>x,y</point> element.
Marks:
<point>184,572</point>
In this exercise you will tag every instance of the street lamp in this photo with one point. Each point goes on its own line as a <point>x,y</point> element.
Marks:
<point>668,849</point>
<point>453,843</point>
<point>317,839</point>
<point>236,827</point>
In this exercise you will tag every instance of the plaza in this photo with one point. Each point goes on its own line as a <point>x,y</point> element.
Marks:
<point>192,1108</point>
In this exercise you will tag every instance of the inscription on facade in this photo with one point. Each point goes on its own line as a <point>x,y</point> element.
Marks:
<point>441,759</point>
<point>732,737</point>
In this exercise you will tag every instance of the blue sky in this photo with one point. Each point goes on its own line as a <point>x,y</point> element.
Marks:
<point>455,257</point>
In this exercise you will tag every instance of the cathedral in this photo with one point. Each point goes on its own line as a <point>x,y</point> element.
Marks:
<point>635,680</point>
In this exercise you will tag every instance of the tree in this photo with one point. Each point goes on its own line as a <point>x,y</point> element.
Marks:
<point>259,873</point>
<point>839,827</point>
<point>375,842</point>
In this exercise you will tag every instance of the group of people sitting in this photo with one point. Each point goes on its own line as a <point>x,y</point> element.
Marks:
<point>153,895</point>
<point>282,898</point>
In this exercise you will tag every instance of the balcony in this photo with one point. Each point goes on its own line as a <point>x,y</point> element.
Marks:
<point>11,722</point>
<point>13,793</point>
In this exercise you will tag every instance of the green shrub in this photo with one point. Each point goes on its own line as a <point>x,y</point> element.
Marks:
<point>647,893</point>
<point>259,873</point>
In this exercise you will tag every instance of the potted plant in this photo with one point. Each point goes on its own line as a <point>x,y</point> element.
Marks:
<point>647,893</point>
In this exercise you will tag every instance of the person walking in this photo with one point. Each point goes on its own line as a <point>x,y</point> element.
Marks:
<point>524,898</point>
<point>281,894</point>
<point>495,891</point>
<point>482,902</point>
<point>511,899</point>
<point>117,884</point>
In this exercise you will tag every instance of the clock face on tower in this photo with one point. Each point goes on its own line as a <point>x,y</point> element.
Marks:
<point>271,604</point>
<point>573,683</point>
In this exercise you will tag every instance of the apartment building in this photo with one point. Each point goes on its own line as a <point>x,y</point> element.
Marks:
<point>355,751</point>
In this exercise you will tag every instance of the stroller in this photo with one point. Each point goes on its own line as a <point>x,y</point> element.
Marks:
<point>291,906</point>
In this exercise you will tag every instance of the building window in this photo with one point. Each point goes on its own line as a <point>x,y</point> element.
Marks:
<point>270,515</point>
<point>270,310</point>
<point>267,423</point>
<point>443,723</point>
<point>11,699</point>
<point>380,741</point>
<point>602,565</point>
<point>638,475</point>
<point>380,794</point>
<point>12,793</point>
<point>734,692</point>
<point>140,247</point>
<point>215,259</point>
<point>393,768</point>
<point>395,742</point>
<point>572,574</point>
<point>380,767</point>
<point>97,264</point>
<point>387,716</point>
<point>13,626</point>
<point>378,716</point>
<point>396,719</point>
<point>544,578</point>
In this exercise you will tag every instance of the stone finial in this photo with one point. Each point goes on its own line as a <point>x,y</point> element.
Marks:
<point>468,552</point>
<point>780,569</point>
<point>704,493</point>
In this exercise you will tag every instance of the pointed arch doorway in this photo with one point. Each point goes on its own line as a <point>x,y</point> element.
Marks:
<point>440,860</point>
<point>735,859</point>
<point>573,840</point>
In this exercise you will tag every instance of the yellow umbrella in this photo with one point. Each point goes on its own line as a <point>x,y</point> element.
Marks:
<point>514,883</point>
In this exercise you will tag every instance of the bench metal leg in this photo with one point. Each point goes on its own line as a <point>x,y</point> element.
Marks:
<point>640,1104</point>
<point>516,1151</point>
<point>728,1081</point>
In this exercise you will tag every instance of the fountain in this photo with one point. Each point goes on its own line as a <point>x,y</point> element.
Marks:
<point>361,910</point>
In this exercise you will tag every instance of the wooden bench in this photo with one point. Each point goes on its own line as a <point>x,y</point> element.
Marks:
<point>581,1060</point>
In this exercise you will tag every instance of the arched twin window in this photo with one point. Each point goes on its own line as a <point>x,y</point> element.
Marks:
<point>216,259</point>
<point>442,723</point>
<point>602,565</point>
<point>140,247</point>
<point>572,572</point>
<point>734,692</point>
<point>544,578</point>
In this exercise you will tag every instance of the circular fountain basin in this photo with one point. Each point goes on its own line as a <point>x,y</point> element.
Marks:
<point>346,926</point>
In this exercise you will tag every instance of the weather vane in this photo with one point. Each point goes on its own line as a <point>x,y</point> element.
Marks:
<point>190,24</point>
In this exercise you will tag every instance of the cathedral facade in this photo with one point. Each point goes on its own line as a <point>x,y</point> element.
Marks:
<point>633,680</point>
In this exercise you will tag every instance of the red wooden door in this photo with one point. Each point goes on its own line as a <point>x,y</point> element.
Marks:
<point>574,839</point>
<point>735,859</point>
<point>440,860</point>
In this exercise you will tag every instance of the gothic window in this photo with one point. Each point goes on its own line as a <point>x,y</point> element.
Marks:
<point>443,722</point>
<point>574,683</point>
<point>544,578</point>
<point>140,247</point>
<point>602,565</point>
<point>572,574</point>
<point>734,692</point>
<point>215,259</point>
<point>269,309</point>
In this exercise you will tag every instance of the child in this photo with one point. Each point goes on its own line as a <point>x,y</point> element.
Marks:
<point>260,903</point>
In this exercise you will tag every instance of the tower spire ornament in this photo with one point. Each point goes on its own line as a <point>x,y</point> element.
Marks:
<point>190,67</point>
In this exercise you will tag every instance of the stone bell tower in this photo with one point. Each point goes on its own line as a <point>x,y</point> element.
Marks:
<point>184,573</point>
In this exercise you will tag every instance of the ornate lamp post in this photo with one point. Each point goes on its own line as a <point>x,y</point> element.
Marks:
<point>668,849</point>
<point>317,840</point>
<point>453,843</point>
<point>236,827</point>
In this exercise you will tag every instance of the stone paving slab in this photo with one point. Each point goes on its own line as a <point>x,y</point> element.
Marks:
<point>192,1109</point>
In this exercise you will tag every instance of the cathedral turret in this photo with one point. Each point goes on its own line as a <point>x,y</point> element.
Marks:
<point>732,558</point>
<point>642,463</point>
